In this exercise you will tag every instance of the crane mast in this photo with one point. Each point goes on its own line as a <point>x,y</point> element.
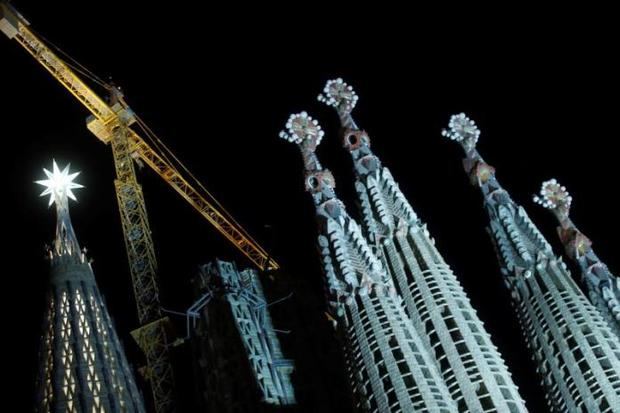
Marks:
<point>111,123</point>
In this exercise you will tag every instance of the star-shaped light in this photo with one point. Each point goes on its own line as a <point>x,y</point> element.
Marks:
<point>59,183</point>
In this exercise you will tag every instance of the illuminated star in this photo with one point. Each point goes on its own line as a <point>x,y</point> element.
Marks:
<point>59,184</point>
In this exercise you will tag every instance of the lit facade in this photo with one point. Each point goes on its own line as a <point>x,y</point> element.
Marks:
<point>602,287</point>
<point>389,369</point>
<point>470,364</point>
<point>241,366</point>
<point>576,353</point>
<point>82,364</point>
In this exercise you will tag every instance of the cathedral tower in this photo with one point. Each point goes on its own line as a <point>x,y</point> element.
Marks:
<point>241,364</point>
<point>576,353</point>
<point>82,364</point>
<point>601,285</point>
<point>389,368</point>
<point>470,364</point>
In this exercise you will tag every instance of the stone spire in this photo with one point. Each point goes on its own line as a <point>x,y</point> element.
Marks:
<point>433,297</point>
<point>576,353</point>
<point>82,364</point>
<point>601,285</point>
<point>389,368</point>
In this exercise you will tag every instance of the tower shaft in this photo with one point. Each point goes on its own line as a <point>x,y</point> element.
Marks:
<point>575,351</point>
<point>432,296</point>
<point>452,333</point>
<point>241,364</point>
<point>601,286</point>
<point>82,364</point>
<point>389,368</point>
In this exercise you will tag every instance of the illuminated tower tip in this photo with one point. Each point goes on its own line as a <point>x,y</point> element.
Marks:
<point>301,128</point>
<point>554,196</point>
<point>59,185</point>
<point>463,130</point>
<point>339,94</point>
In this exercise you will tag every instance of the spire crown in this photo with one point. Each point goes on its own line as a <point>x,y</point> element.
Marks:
<point>59,185</point>
<point>463,130</point>
<point>303,130</point>
<point>339,94</point>
<point>306,132</point>
<point>554,196</point>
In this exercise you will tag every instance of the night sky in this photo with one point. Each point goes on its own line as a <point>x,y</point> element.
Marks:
<point>219,96</point>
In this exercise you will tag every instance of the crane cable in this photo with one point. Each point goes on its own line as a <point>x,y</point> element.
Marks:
<point>163,150</point>
<point>155,140</point>
<point>73,63</point>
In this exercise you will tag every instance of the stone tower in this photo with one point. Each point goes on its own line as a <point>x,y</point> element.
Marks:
<point>82,364</point>
<point>241,364</point>
<point>388,366</point>
<point>602,287</point>
<point>576,353</point>
<point>470,364</point>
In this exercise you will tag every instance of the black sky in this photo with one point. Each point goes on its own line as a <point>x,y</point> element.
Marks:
<point>217,86</point>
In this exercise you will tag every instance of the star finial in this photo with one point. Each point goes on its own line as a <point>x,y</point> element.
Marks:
<point>59,184</point>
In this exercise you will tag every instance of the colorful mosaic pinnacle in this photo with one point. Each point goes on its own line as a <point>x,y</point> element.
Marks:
<point>554,196</point>
<point>463,130</point>
<point>338,94</point>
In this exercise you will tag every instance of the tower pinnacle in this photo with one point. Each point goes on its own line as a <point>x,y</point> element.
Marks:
<point>338,94</point>
<point>554,197</point>
<point>59,185</point>
<point>462,130</point>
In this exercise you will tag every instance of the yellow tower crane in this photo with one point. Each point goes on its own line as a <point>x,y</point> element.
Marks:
<point>113,122</point>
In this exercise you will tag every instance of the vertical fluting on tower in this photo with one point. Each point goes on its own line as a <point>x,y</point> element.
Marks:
<point>576,353</point>
<point>388,366</point>
<point>477,376</point>
<point>242,366</point>
<point>82,367</point>
<point>602,287</point>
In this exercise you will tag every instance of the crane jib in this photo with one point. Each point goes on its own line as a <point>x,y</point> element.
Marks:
<point>14,26</point>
